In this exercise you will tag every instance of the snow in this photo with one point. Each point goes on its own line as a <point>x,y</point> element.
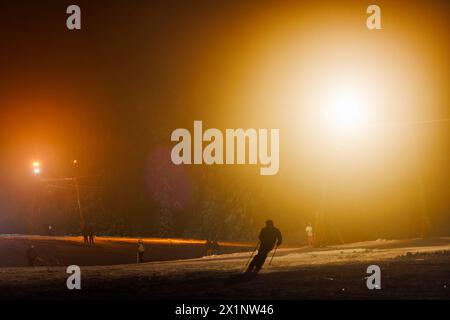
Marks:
<point>416,268</point>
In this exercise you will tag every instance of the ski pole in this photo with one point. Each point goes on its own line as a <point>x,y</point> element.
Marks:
<point>275,251</point>
<point>252,254</point>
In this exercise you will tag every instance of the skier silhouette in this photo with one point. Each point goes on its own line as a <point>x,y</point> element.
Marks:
<point>268,237</point>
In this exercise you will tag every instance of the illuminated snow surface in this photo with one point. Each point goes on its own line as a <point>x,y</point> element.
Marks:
<point>415,268</point>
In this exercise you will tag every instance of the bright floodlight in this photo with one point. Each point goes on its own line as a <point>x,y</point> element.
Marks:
<point>346,110</point>
<point>36,168</point>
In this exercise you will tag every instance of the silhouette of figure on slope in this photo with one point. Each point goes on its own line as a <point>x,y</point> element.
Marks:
<point>268,237</point>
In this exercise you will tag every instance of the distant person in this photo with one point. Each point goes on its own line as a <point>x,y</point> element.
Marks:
<point>91,235</point>
<point>215,247</point>
<point>50,230</point>
<point>141,251</point>
<point>309,235</point>
<point>85,236</point>
<point>208,247</point>
<point>31,255</point>
<point>268,237</point>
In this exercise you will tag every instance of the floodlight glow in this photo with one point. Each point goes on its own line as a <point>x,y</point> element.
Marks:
<point>36,168</point>
<point>347,110</point>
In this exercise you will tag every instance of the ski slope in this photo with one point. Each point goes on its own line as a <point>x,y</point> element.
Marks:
<point>416,268</point>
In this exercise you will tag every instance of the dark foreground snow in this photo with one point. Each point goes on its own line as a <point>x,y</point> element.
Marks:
<point>417,269</point>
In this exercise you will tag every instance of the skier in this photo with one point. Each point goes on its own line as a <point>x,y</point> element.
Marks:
<point>208,247</point>
<point>268,237</point>
<point>141,251</point>
<point>310,235</point>
<point>31,255</point>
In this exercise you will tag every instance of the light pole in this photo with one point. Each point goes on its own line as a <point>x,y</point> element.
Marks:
<point>77,191</point>
<point>37,171</point>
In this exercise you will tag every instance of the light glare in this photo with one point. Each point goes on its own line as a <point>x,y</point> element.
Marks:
<point>347,110</point>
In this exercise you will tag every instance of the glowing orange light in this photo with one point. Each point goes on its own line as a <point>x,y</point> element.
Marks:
<point>36,168</point>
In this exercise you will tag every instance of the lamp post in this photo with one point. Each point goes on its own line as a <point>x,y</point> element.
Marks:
<point>77,191</point>
<point>37,171</point>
